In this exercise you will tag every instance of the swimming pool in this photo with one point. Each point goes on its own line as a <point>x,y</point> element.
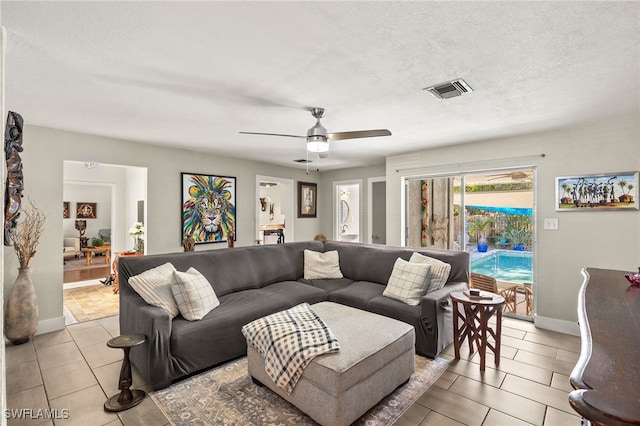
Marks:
<point>506,265</point>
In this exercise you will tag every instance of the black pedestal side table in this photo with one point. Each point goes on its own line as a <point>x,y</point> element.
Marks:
<point>126,398</point>
<point>472,323</point>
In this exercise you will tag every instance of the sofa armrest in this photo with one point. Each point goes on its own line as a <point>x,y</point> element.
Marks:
<point>441,296</point>
<point>153,358</point>
<point>437,315</point>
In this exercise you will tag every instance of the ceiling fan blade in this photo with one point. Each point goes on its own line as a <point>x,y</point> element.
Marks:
<point>273,134</point>
<point>358,134</point>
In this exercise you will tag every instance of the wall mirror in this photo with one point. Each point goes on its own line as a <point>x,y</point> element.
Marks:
<point>344,211</point>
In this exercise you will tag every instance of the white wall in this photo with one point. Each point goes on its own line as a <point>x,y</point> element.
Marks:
<point>274,193</point>
<point>46,150</point>
<point>136,190</point>
<point>326,201</point>
<point>602,239</point>
<point>76,193</point>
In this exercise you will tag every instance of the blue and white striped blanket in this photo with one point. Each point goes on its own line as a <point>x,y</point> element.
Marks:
<point>288,341</point>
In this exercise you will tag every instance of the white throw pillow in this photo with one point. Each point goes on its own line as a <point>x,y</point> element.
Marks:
<point>193,293</point>
<point>439,270</point>
<point>408,282</point>
<point>154,285</point>
<point>318,265</point>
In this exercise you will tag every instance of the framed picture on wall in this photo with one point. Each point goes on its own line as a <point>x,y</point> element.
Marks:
<point>86,210</point>
<point>208,207</point>
<point>307,199</point>
<point>609,191</point>
<point>66,210</point>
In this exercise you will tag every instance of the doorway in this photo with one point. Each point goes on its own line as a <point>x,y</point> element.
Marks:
<point>347,211</point>
<point>274,210</point>
<point>490,214</point>
<point>116,195</point>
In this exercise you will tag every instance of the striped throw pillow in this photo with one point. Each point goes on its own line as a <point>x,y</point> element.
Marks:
<point>154,286</point>
<point>408,282</point>
<point>439,270</point>
<point>194,295</point>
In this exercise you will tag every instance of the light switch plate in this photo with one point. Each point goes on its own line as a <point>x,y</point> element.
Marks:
<point>551,224</point>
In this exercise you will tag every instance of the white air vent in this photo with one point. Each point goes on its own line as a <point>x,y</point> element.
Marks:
<point>449,89</point>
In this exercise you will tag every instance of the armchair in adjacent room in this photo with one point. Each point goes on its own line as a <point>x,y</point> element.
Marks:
<point>71,247</point>
<point>105,235</point>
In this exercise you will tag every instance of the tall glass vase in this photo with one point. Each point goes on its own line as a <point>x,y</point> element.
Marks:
<point>21,316</point>
<point>138,245</point>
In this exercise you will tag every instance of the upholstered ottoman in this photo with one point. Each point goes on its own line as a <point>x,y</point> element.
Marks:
<point>376,356</point>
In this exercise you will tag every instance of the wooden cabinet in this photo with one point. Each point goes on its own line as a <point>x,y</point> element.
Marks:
<point>606,377</point>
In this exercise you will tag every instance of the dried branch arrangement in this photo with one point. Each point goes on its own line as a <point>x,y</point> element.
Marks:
<point>25,238</point>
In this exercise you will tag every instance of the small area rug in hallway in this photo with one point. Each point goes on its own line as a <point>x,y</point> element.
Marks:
<point>91,302</point>
<point>226,396</point>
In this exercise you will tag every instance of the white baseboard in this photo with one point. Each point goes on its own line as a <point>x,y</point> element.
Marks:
<point>53,324</point>
<point>77,284</point>
<point>553,324</point>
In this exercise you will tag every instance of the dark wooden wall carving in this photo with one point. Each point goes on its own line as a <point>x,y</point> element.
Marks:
<point>14,184</point>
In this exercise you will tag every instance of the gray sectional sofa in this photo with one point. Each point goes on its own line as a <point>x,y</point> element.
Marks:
<point>251,282</point>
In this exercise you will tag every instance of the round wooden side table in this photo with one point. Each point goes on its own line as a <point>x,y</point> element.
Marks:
<point>472,323</point>
<point>126,398</point>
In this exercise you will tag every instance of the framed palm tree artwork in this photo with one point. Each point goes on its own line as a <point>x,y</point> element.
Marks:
<point>597,192</point>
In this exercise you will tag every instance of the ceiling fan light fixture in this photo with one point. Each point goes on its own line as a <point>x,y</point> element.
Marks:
<point>317,144</point>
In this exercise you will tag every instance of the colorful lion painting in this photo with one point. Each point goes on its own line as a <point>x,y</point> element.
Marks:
<point>208,211</point>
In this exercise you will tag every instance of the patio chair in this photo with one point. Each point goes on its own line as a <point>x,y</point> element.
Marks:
<point>487,283</point>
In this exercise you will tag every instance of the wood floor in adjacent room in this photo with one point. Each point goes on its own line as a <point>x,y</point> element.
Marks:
<point>74,369</point>
<point>78,270</point>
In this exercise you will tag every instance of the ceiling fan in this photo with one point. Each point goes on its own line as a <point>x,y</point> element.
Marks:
<point>318,138</point>
<point>517,176</point>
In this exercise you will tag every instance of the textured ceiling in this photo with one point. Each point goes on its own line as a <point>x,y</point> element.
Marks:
<point>195,74</point>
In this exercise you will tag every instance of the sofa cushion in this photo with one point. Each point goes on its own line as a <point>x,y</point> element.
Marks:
<point>193,293</point>
<point>319,265</point>
<point>408,282</point>
<point>357,294</point>
<point>439,271</point>
<point>295,292</point>
<point>217,337</point>
<point>154,286</point>
<point>328,285</point>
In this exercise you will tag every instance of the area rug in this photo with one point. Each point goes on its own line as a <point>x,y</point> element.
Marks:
<point>91,302</point>
<point>226,396</point>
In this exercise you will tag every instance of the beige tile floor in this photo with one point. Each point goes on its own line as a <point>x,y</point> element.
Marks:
<point>73,369</point>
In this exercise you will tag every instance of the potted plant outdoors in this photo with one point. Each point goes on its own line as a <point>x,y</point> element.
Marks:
<point>479,227</point>
<point>519,238</point>
<point>21,316</point>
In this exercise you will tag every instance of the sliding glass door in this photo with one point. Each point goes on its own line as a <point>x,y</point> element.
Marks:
<point>489,214</point>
